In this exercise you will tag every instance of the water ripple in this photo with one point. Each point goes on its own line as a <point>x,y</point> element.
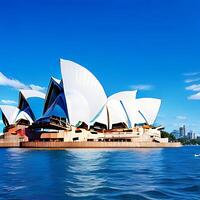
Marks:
<point>102,174</point>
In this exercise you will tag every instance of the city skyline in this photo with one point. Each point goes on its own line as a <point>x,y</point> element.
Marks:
<point>129,45</point>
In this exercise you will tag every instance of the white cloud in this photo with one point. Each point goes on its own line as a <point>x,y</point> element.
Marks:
<point>141,87</point>
<point>1,121</point>
<point>7,101</point>
<point>5,81</point>
<point>194,87</point>
<point>194,96</point>
<point>37,87</point>
<point>192,80</point>
<point>181,117</point>
<point>191,74</point>
<point>11,82</point>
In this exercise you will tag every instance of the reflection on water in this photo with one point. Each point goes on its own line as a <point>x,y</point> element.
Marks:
<point>100,174</point>
<point>83,168</point>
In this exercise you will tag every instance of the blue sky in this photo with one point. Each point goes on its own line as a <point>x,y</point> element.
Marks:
<point>150,45</point>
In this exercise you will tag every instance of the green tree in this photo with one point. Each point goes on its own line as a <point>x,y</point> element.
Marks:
<point>165,134</point>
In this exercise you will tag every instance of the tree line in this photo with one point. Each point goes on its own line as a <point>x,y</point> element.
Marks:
<point>184,140</point>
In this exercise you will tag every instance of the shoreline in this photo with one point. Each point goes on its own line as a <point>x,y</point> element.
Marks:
<point>98,145</point>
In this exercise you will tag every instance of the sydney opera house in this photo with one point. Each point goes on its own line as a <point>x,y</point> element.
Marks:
<point>77,109</point>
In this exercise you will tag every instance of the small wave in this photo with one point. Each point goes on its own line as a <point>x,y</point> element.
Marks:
<point>132,196</point>
<point>106,190</point>
<point>193,188</point>
<point>156,194</point>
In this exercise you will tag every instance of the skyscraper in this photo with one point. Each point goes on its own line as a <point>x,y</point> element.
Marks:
<point>182,131</point>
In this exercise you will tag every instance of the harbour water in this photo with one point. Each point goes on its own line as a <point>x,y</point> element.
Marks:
<point>163,173</point>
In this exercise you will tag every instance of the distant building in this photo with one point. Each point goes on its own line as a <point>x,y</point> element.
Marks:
<point>176,133</point>
<point>191,135</point>
<point>182,131</point>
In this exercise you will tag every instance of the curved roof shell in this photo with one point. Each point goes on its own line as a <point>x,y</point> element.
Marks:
<point>112,113</point>
<point>127,99</point>
<point>124,95</point>
<point>83,92</point>
<point>125,108</point>
<point>32,93</point>
<point>55,102</point>
<point>148,108</point>
<point>24,115</point>
<point>31,102</point>
<point>9,114</point>
<point>53,91</point>
<point>78,108</point>
<point>142,110</point>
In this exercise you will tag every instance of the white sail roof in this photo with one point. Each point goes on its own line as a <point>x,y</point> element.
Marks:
<point>32,102</point>
<point>32,93</point>
<point>148,108</point>
<point>124,107</point>
<point>78,108</point>
<point>112,113</point>
<point>124,95</point>
<point>24,115</point>
<point>116,113</point>
<point>84,94</point>
<point>53,91</point>
<point>101,117</point>
<point>58,81</point>
<point>127,99</point>
<point>10,112</point>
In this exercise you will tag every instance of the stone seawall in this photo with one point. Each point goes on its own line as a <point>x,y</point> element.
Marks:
<point>98,145</point>
<point>6,144</point>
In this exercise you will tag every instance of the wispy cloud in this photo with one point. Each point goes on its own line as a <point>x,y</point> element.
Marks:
<point>141,87</point>
<point>194,96</point>
<point>192,80</point>
<point>1,121</point>
<point>16,84</point>
<point>194,87</point>
<point>37,87</point>
<point>191,74</point>
<point>7,101</point>
<point>11,82</point>
<point>181,117</point>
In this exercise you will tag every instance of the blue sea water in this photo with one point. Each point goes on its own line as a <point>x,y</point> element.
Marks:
<point>168,173</point>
